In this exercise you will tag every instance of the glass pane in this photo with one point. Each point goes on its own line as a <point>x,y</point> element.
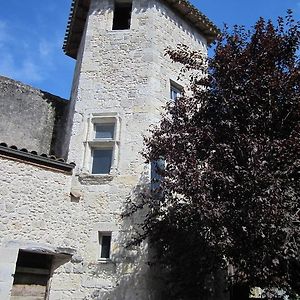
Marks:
<point>175,93</point>
<point>105,246</point>
<point>102,159</point>
<point>156,167</point>
<point>104,131</point>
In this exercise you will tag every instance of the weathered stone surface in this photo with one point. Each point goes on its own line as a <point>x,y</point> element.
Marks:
<point>8,258</point>
<point>31,118</point>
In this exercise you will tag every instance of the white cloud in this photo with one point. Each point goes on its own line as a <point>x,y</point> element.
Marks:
<point>31,70</point>
<point>4,36</point>
<point>48,50</point>
<point>27,58</point>
<point>27,70</point>
<point>45,48</point>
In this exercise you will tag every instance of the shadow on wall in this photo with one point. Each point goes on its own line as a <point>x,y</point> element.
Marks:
<point>134,278</point>
<point>135,275</point>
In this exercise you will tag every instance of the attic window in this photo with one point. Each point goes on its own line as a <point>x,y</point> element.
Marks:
<point>122,15</point>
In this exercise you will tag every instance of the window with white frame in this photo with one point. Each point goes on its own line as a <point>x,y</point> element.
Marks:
<point>104,239</point>
<point>175,90</point>
<point>103,143</point>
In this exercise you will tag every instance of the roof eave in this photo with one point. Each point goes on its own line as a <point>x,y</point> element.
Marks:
<point>75,27</point>
<point>43,160</point>
<point>80,8</point>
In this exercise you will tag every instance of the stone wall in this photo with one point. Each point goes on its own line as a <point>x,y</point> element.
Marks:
<point>35,210</point>
<point>31,118</point>
<point>38,214</point>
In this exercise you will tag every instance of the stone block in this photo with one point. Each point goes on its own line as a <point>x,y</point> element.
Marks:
<point>66,283</point>
<point>5,289</point>
<point>92,282</point>
<point>6,272</point>
<point>8,255</point>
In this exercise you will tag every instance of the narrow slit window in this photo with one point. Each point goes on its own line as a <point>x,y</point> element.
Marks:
<point>122,15</point>
<point>157,167</point>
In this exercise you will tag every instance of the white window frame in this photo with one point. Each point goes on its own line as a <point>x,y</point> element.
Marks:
<point>92,143</point>
<point>101,234</point>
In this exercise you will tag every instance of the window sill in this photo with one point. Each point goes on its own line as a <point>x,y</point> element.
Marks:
<point>105,261</point>
<point>119,31</point>
<point>102,142</point>
<point>95,179</point>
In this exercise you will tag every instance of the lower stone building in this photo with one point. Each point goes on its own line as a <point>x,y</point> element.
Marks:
<point>46,243</point>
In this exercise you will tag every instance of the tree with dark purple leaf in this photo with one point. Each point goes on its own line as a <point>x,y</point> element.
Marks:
<point>231,190</point>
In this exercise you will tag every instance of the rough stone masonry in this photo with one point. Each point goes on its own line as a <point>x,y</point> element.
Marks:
<point>122,80</point>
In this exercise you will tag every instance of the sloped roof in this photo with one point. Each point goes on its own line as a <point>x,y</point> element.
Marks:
<point>80,8</point>
<point>32,157</point>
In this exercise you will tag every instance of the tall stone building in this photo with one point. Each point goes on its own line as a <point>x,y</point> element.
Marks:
<point>62,235</point>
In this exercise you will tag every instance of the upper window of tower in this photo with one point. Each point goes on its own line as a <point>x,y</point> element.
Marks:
<point>122,14</point>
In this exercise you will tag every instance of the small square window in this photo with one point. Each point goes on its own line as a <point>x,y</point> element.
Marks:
<point>104,245</point>
<point>102,159</point>
<point>175,91</point>
<point>105,131</point>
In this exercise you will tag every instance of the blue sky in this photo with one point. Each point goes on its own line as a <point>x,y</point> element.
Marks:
<point>32,32</point>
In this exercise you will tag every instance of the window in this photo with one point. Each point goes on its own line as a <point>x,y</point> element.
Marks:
<point>105,131</point>
<point>175,90</point>
<point>104,245</point>
<point>102,159</point>
<point>122,15</point>
<point>102,145</point>
<point>157,168</point>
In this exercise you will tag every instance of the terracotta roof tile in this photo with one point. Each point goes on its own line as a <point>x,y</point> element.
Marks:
<point>33,157</point>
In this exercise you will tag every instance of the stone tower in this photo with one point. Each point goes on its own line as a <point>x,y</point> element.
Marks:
<point>122,80</point>
<point>61,232</point>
